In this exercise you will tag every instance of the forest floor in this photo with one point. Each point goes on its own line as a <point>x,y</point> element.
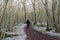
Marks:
<point>33,34</point>
<point>22,36</point>
<point>20,31</point>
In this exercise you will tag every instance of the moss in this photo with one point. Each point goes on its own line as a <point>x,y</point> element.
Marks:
<point>6,35</point>
<point>37,25</point>
<point>43,31</point>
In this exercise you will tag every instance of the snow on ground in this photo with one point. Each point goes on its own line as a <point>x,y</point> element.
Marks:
<point>16,38</point>
<point>19,30</point>
<point>52,33</point>
<point>40,28</point>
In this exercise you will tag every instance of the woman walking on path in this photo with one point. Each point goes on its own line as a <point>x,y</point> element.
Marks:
<point>29,24</point>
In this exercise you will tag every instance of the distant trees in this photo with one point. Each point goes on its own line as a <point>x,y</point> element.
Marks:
<point>24,9</point>
<point>34,8</point>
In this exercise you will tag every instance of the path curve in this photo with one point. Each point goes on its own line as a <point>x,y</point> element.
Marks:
<point>33,34</point>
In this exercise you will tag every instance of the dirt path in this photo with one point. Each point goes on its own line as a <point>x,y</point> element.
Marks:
<point>33,34</point>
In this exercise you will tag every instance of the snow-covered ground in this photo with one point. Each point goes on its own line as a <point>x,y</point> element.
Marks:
<point>40,28</point>
<point>16,38</point>
<point>22,36</point>
<point>19,30</point>
<point>52,33</point>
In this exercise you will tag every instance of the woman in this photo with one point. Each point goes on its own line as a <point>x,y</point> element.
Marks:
<point>28,23</point>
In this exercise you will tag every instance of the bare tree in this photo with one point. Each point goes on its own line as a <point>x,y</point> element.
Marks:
<point>57,19</point>
<point>47,12</point>
<point>3,18</point>
<point>33,3</point>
